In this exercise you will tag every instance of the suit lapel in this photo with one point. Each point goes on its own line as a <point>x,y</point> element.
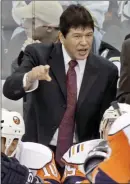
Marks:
<point>57,66</point>
<point>89,78</point>
<point>56,62</point>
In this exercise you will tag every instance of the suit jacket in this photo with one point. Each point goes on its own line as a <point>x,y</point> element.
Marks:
<point>124,83</point>
<point>49,100</point>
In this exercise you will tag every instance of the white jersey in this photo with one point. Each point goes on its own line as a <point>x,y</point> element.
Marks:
<point>40,161</point>
<point>34,156</point>
<point>78,153</point>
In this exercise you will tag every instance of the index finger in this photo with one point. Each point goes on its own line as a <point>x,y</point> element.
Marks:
<point>46,67</point>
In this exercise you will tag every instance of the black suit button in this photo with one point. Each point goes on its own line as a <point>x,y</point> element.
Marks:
<point>64,106</point>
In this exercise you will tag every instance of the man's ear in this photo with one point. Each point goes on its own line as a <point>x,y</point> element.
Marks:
<point>61,37</point>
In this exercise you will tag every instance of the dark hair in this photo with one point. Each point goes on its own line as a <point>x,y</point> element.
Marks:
<point>75,16</point>
<point>127,37</point>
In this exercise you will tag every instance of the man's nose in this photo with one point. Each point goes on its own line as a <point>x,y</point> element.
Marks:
<point>83,40</point>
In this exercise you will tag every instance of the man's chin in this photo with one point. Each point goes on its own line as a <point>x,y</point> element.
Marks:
<point>82,57</point>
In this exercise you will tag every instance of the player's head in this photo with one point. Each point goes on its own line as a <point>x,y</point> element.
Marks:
<point>12,130</point>
<point>115,119</point>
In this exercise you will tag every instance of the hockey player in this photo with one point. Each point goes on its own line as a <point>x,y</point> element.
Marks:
<point>115,127</point>
<point>12,130</point>
<point>38,158</point>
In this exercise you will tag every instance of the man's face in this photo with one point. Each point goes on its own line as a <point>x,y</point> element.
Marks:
<point>45,34</point>
<point>78,42</point>
<point>37,30</point>
<point>12,147</point>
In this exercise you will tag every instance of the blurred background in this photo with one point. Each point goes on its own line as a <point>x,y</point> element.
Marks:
<point>112,19</point>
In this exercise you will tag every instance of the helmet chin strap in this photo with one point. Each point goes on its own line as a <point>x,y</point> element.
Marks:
<point>13,153</point>
<point>116,107</point>
<point>6,150</point>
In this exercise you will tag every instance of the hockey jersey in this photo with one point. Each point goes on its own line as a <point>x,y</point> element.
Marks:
<point>116,169</point>
<point>40,160</point>
<point>75,158</point>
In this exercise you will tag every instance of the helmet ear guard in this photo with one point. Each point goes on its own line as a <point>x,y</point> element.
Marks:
<point>95,157</point>
<point>116,107</point>
<point>91,164</point>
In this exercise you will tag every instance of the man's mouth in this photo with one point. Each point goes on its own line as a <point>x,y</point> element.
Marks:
<point>83,51</point>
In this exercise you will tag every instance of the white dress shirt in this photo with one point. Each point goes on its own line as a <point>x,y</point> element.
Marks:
<point>79,72</point>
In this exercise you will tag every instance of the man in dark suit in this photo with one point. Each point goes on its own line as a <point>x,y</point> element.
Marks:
<point>124,83</point>
<point>71,87</point>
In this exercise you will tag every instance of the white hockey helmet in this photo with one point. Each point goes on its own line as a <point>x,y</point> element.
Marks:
<point>111,115</point>
<point>12,127</point>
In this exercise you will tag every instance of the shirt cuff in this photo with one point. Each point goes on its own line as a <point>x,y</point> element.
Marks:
<point>33,87</point>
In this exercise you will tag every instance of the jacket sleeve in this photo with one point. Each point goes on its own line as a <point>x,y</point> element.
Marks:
<point>13,86</point>
<point>110,94</point>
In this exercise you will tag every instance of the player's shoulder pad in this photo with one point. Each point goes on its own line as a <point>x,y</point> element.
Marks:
<point>34,155</point>
<point>78,153</point>
<point>120,123</point>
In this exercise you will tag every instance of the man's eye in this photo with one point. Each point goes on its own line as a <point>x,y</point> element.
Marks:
<point>77,36</point>
<point>89,35</point>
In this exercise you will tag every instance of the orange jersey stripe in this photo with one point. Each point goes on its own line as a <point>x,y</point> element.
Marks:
<point>49,172</point>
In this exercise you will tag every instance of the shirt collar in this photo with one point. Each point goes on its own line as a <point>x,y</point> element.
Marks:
<point>67,59</point>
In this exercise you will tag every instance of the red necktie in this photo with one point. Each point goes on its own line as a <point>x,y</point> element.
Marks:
<point>67,125</point>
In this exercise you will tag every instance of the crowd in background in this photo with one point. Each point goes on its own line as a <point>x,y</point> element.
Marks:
<point>112,18</point>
